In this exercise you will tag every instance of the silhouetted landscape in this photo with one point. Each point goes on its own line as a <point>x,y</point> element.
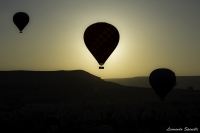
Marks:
<point>84,101</point>
<point>155,43</point>
<point>183,82</point>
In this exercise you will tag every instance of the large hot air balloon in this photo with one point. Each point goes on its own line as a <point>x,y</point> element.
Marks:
<point>162,80</point>
<point>21,19</point>
<point>101,39</point>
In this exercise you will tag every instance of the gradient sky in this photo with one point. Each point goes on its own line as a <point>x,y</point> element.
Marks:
<point>153,34</point>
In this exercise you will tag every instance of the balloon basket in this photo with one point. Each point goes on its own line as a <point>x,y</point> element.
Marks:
<point>101,67</point>
<point>20,32</point>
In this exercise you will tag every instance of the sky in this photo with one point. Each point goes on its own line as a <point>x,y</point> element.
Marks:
<point>153,34</point>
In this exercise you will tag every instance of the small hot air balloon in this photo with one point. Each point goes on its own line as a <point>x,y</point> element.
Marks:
<point>101,39</point>
<point>162,80</point>
<point>21,19</point>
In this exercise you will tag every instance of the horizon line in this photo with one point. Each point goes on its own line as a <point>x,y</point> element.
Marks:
<point>89,72</point>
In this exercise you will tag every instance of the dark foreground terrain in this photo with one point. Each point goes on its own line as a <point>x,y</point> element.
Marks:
<point>84,102</point>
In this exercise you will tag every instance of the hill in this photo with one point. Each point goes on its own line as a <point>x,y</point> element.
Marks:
<point>51,86</point>
<point>23,87</point>
<point>182,81</point>
<point>84,102</point>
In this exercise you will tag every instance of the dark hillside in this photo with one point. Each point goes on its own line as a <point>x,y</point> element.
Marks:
<point>183,82</point>
<point>45,86</point>
<point>84,102</point>
<point>22,87</point>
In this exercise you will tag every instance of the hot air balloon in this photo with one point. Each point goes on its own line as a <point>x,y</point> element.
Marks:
<point>101,39</point>
<point>21,19</point>
<point>162,80</point>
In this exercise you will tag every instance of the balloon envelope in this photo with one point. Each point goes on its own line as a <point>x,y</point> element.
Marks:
<point>101,39</point>
<point>162,80</point>
<point>21,19</point>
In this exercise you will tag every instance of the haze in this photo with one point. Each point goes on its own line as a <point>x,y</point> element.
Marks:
<point>153,34</point>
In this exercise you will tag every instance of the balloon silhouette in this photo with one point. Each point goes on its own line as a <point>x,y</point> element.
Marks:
<point>21,19</point>
<point>162,80</point>
<point>101,39</point>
